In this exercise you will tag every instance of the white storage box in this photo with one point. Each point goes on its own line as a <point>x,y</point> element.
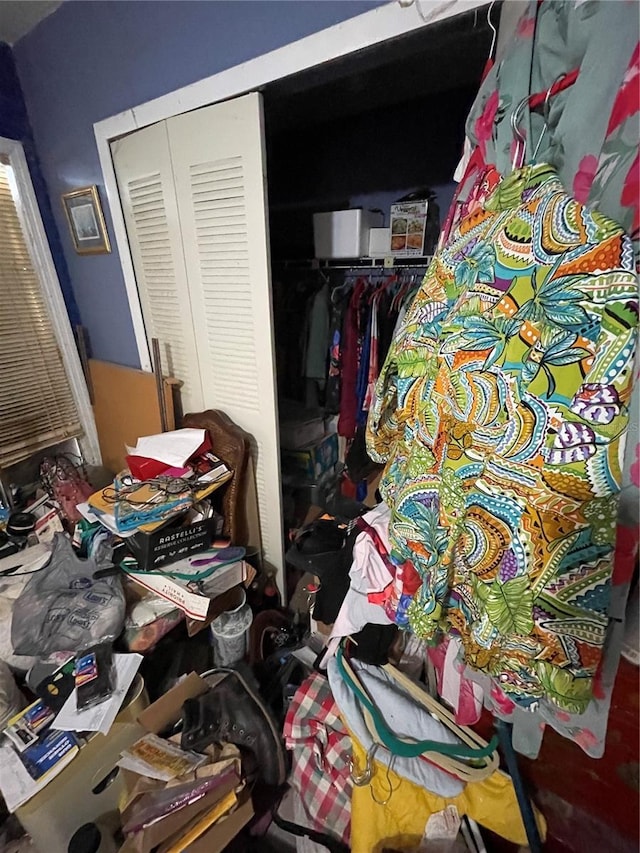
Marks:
<point>379,242</point>
<point>344,233</point>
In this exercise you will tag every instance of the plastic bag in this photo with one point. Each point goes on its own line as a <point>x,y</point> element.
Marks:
<point>11,700</point>
<point>63,608</point>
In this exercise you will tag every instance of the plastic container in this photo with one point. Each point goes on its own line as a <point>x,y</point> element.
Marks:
<point>344,233</point>
<point>230,631</point>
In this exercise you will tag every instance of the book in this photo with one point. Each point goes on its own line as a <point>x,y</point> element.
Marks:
<point>155,805</point>
<point>51,752</point>
<point>23,730</point>
<point>157,758</point>
<point>187,835</point>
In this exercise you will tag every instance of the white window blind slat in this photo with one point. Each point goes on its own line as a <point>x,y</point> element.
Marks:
<point>37,408</point>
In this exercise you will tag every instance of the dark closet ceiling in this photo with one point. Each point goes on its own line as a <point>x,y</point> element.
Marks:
<point>438,58</point>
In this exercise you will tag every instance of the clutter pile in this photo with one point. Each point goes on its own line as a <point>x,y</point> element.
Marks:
<point>91,578</point>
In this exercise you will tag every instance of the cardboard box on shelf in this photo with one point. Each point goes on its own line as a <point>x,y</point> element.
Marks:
<point>408,227</point>
<point>313,460</point>
<point>379,242</point>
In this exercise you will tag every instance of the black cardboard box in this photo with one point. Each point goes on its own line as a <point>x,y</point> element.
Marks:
<point>172,543</point>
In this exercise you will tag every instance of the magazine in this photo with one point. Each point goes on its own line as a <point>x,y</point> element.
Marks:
<point>157,758</point>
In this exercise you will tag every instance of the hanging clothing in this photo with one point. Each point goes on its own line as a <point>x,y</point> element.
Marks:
<point>593,127</point>
<point>339,302</point>
<point>500,413</point>
<point>316,357</point>
<point>350,353</point>
<point>321,745</point>
<point>366,325</point>
<point>401,822</point>
<point>393,808</point>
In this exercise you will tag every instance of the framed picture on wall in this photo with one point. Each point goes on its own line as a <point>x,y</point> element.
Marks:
<point>86,221</point>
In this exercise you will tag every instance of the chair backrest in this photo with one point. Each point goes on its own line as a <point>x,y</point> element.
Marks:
<point>231,444</point>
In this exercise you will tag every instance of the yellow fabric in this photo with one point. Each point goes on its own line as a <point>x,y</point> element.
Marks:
<point>401,822</point>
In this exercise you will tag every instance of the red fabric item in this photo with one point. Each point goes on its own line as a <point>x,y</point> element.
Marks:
<point>380,597</point>
<point>626,554</point>
<point>348,397</point>
<point>143,468</point>
<point>538,98</point>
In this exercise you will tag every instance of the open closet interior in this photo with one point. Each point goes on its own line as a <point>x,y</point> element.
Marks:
<point>360,569</point>
<point>358,134</point>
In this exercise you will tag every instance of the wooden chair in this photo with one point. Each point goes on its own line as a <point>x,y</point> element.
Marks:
<point>231,444</point>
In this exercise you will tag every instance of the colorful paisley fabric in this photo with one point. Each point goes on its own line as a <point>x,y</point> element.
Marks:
<point>500,415</point>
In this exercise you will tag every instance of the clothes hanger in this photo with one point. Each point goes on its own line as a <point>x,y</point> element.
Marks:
<point>361,779</point>
<point>545,115</point>
<point>493,29</point>
<point>471,760</point>
<point>521,140</point>
<point>384,281</point>
<point>403,291</point>
<point>346,285</point>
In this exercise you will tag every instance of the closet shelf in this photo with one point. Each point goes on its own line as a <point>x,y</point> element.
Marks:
<point>389,261</point>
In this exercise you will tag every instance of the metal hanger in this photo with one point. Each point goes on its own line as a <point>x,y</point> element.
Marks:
<point>493,29</point>
<point>545,115</point>
<point>521,139</point>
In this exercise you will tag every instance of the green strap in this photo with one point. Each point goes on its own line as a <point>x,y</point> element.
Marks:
<point>205,574</point>
<point>400,747</point>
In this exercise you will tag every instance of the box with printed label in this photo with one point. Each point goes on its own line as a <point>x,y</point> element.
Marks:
<point>170,544</point>
<point>408,227</point>
<point>158,717</point>
<point>313,460</point>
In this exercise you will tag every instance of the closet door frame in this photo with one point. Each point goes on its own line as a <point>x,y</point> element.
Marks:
<point>366,30</point>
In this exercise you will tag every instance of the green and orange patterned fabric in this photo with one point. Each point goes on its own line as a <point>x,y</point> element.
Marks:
<point>500,415</point>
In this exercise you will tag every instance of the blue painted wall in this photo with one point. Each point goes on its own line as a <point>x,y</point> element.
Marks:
<point>14,124</point>
<point>90,60</point>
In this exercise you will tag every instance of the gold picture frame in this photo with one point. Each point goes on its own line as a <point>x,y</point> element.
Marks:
<point>86,221</point>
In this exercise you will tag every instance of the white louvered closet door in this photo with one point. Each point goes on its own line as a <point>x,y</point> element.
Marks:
<point>219,170</point>
<point>143,168</point>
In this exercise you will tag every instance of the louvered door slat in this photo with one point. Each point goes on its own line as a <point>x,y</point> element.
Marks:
<point>145,180</point>
<point>218,165</point>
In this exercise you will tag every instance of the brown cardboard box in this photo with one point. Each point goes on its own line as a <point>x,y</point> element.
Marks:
<point>156,718</point>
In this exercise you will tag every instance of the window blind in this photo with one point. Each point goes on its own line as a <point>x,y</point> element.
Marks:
<point>37,409</point>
